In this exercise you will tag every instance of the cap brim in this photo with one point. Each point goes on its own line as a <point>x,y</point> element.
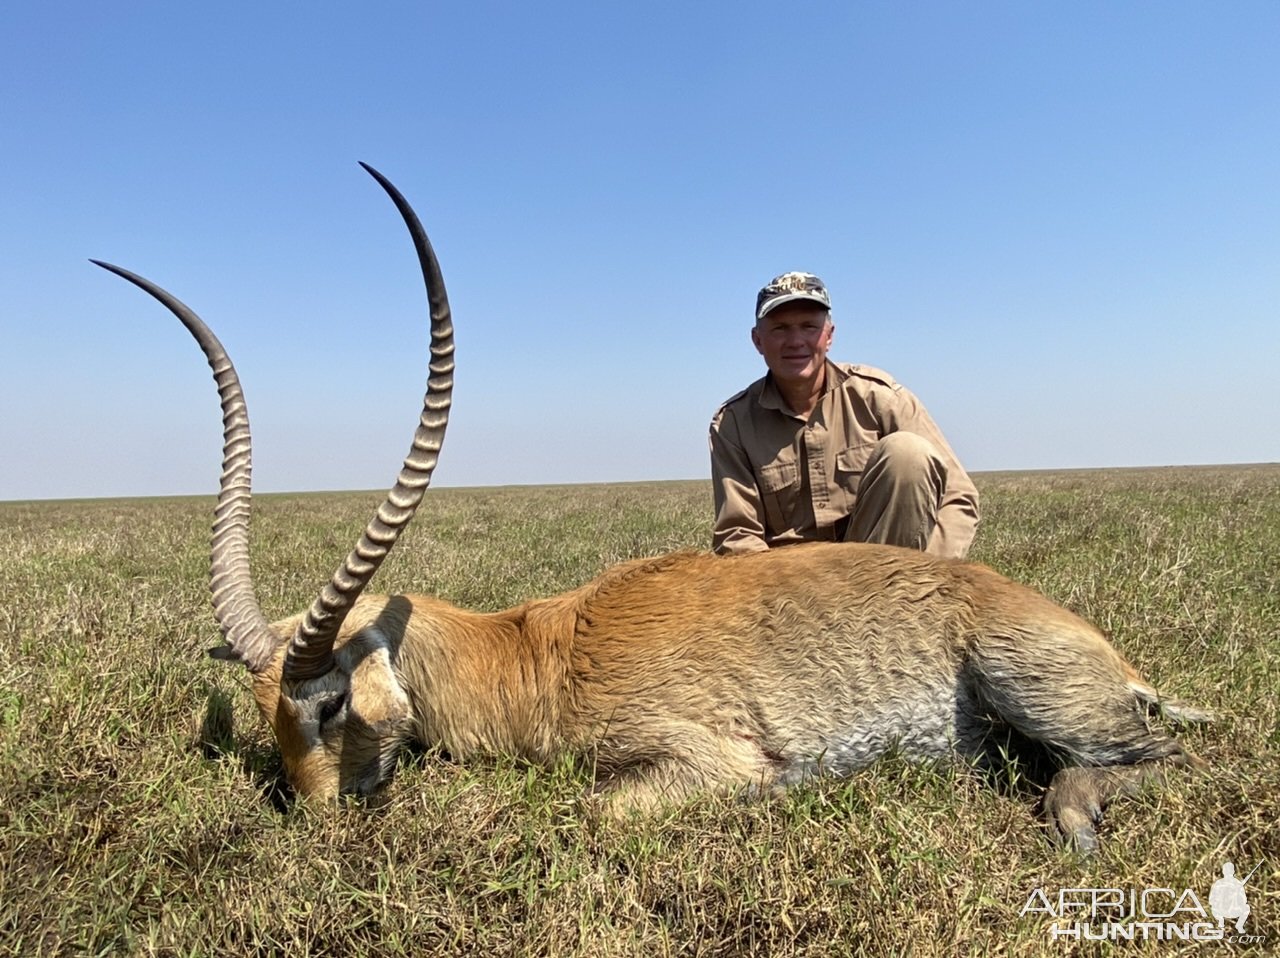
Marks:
<point>771,304</point>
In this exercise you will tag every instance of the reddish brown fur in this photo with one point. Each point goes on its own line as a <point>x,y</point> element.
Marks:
<point>693,672</point>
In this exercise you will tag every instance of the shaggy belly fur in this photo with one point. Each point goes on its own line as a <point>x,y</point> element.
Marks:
<point>934,723</point>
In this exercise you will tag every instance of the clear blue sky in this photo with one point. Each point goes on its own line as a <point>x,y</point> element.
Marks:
<point>1059,224</point>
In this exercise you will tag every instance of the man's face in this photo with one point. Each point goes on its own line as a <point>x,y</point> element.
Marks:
<point>794,339</point>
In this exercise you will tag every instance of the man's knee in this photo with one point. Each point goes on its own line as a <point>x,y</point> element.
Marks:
<point>900,493</point>
<point>906,457</point>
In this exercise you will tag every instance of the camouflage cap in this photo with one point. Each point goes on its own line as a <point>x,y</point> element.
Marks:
<point>788,288</point>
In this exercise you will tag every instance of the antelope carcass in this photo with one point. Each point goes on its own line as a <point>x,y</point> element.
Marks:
<point>676,674</point>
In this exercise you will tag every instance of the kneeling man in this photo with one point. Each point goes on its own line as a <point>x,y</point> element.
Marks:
<point>824,451</point>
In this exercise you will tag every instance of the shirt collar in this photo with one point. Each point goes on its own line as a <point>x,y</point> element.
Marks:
<point>771,398</point>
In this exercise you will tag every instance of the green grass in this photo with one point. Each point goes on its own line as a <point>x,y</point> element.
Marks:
<point>141,810</point>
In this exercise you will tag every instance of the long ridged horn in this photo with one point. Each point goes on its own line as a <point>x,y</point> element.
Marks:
<point>249,638</point>
<point>311,648</point>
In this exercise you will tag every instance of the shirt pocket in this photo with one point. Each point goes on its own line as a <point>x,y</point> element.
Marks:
<point>780,490</point>
<point>851,463</point>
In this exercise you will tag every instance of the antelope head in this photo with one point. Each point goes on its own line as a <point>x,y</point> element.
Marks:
<point>330,693</point>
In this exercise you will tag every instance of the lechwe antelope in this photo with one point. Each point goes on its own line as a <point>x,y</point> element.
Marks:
<point>676,674</point>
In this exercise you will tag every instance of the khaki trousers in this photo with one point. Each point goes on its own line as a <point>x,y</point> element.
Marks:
<point>900,493</point>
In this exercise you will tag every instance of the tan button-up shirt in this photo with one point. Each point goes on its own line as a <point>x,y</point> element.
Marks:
<point>779,478</point>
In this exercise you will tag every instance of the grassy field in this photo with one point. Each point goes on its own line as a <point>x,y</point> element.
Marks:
<point>141,809</point>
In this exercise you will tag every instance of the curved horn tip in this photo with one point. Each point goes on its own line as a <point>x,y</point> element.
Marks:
<point>109,267</point>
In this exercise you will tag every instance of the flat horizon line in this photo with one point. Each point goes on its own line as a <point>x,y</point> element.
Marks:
<point>1039,471</point>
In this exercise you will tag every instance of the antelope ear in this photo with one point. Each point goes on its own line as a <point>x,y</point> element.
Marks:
<point>376,695</point>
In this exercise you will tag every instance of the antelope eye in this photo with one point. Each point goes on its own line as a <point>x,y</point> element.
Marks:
<point>331,707</point>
